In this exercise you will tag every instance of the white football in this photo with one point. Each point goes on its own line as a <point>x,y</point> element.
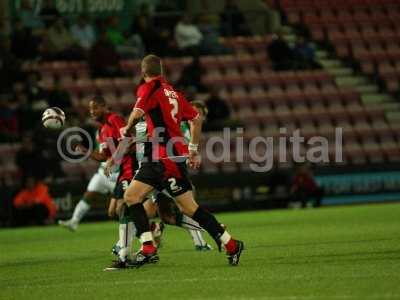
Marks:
<point>53,118</point>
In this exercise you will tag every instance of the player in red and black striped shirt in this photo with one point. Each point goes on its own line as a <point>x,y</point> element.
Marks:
<point>165,160</point>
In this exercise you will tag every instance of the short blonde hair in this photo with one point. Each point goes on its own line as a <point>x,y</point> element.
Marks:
<point>152,65</point>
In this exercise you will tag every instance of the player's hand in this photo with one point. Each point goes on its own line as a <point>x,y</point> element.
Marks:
<point>108,167</point>
<point>119,207</point>
<point>194,160</point>
<point>124,132</point>
<point>112,208</point>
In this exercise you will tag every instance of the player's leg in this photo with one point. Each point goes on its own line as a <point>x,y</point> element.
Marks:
<point>151,208</point>
<point>126,232</point>
<point>207,221</point>
<point>171,214</point>
<point>134,197</point>
<point>80,210</point>
<point>156,228</point>
<point>126,229</point>
<point>98,186</point>
<point>113,211</point>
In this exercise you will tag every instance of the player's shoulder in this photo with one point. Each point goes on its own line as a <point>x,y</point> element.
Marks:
<point>146,87</point>
<point>114,118</point>
<point>151,86</point>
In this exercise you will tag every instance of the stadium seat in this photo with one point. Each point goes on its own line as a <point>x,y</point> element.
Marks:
<point>104,85</point>
<point>124,85</point>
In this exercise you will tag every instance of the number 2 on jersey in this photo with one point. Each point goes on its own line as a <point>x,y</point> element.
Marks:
<point>174,111</point>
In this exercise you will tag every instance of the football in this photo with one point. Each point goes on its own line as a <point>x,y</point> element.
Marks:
<point>53,118</point>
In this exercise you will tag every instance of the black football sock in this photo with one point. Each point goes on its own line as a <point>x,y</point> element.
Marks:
<point>209,223</point>
<point>139,217</point>
<point>178,217</point>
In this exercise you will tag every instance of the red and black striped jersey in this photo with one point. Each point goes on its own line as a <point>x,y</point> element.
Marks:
<point>164,109</point>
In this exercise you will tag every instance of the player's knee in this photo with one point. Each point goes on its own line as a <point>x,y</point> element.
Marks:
<point>90,197</point>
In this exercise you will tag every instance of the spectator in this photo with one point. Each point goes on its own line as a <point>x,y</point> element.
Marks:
<point>167,15</point>
<point>33,205</point>
<point>29,159</point>
<point>188,36</point>
<point>114,35</point>
<point>23,43</point>
<point>280,53</point>
<point>190,93</point>
<point>218,112</point>
<point>49,13</point>
<point>210,44</point>
<point>132,48</point>
<point>28,17</point>
<point>304,54</point>
<point>127,45</point>
<point>26,116</point>
<point>233,22</point>
<point>37,96</point>
<point>10,67</point>
<point>191,76</point>
<point>8,121</point>
<point>103,58</point>
<point>152,40</point>
<point>46,141</point>
<point>304,187</point>
<point>61,44</point>
<point>83,33</point>
<point>59,97</point>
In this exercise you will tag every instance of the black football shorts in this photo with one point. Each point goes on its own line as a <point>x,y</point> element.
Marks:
<point>154,174</point>
<point>120,189</point>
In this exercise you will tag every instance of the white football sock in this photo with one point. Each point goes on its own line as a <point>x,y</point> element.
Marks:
<point>123,241</point>
<point>80,211</point>
<point>197,237</point>
<point>225,237</point>
<point>126,234</point>
<point>146,237</point>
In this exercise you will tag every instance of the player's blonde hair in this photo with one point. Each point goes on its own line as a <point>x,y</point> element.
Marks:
<point>152,66</point>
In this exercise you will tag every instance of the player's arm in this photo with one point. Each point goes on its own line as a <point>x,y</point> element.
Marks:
<point>195,130</point>
<point>195,120</point>
<point>195,133</point>
<point>112,207</point>
<point>134,118</point>
<point>143,104</point>
<point>98,156</point>
<point>95,154</point>
<point>116,158</point>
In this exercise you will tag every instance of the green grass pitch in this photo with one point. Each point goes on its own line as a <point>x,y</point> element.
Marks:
<point>329,253</point>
